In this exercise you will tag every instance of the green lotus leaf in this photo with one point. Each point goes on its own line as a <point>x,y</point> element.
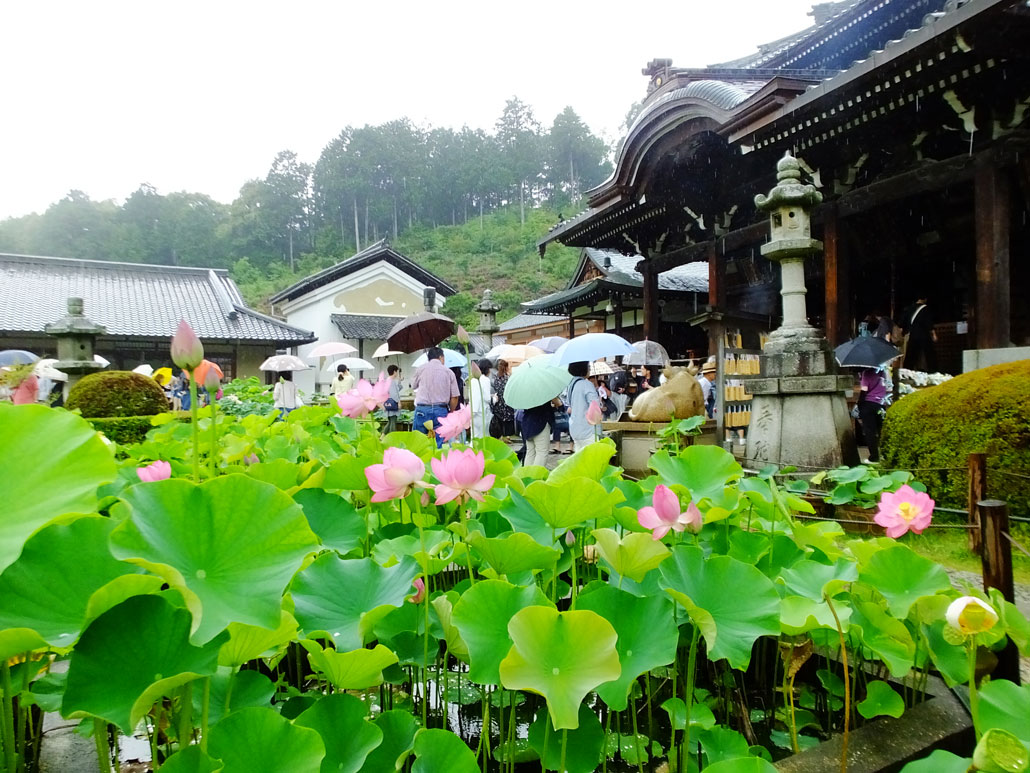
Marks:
<point>355,670</point>
<point>281,473</point>
<point>247,642</point>
<point>440,550</point>
<point>129,657</point>
<point>347,735</point>
<point>346,597</point>
<point>569,503</point>
<point>260,739</point>
<point>398,728</point>
<point>589,462</point>
<point>1011,620</point>
<point>53,463</point>
<point>443,606</point>
<point>561,656</point>
<point>633,556</point>
<point>704,470</point>
<point>232,691</point>
<point>513,553</point>
<point>403,630</point>
<point>799,614</point>
<point>520,751</point>
<point>887,637</point>
<point>482,615</point>
<point>49,588</point>
<point>939,761</point>
<point>903,576</point>
<point>1006,706</point>
<point>722,744</point>
<point>439,750</point>
<point>647,635</point>
<point>335,520</point>
<point>347,474</point>
<point>812,579</point>
<point>524,518</point>
<point>742,765</point>
<point>18,641</point>
<point>821,535</point>
<point>881,700</point>
<point>420,444</point>
<point>229,545</point>
<point>584,746</point>
<point>192,759</point>
<point>731,622</point>
<point>700,715</point>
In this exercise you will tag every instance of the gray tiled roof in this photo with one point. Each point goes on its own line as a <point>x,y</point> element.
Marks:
<point>691,277</point>
<point>527,320</point>
<point>134,300</point>
<point>368,327</point>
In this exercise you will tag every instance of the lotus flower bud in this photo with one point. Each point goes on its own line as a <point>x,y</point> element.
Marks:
<point>187,350</point>
<point>594,415</point>
<point>570,537</point>
<point>463,336</point>
<point>474,370</point>
<point>420,591</point>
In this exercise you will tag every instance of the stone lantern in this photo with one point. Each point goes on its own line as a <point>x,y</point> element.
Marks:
<point>429,298</point>
<point>799,413</point>
<point>76,337</point>
<point>488,316</point>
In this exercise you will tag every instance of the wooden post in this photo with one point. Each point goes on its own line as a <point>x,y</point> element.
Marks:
<point>837,271</point>
<point>993,295</point>
<point>977,491</point>
<point>997,573</point>
<point>651,308</point>
<point>716,278</point>
<point>572,326</point>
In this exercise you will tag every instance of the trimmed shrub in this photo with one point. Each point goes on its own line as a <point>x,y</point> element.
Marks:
<point>987,410</point>
<point>117,393</point>
<point>123,430</point>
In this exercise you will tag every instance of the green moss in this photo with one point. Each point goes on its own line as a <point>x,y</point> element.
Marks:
<point>986,411</point>
<point>123,430</point>
<point>117,393</point>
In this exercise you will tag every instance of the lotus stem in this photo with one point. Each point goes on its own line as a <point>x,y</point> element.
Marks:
<point>691,667</point>
<point>636,736</point>
<point>650,720</point>
<point>10,757</point>
<point>564,743</point>
<point>152,737</point>
<point>103,749</point>
<point>575,583</point>
<point>847,687</point>
<point>205,709</point>
<point>185,729</point>
<point>974,694</point>
<point>607,732</point>
<point>468,553</point>
<point>788,688</point>
<point>484,733</point>
<point>425,638</point>
<point>194,414</point>
<point>212,458</point>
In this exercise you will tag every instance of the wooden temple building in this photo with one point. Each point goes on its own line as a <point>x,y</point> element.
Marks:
<point>910,116</point>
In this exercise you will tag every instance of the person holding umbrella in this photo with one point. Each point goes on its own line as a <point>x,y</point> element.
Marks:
<point>582,393</point>
<point>436,392</point>
<point>284,395</point>
<point>344,381</point>
<point>872,397</point>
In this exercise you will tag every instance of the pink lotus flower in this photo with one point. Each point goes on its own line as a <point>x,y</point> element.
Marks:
<point>461,476</point>
<point>666,514</point>
<point>154,472</point>
<point>396,476</point>
<point>420,591</point>
<point>474,370</point>
<point>251,459</point>
<point>364,398</point>
<point>594,415</point>
<point>904,510</point>
<point>454,423</point>
<point>187,350</point>
<point>27,391</point>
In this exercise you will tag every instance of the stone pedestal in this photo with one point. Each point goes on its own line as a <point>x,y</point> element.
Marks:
<point>76,336</point>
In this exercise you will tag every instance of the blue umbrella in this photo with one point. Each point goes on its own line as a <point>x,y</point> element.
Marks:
<point>17,357</point>
<point>548,344</point>
<point>451,359</point>
<point>592,346</point>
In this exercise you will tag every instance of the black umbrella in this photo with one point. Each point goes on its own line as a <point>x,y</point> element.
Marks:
<point>867,352</point>
<point>419,331</point>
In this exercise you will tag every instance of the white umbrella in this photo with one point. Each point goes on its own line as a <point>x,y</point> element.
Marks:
<point>384,351</point>
<point>144,369</point>
<point>352,363</point>
<point>46,369</point>
<point>451,359</point>
<point>592,346</point>
<point>330,349</point>
<point>103,361</point>
<point>283,362</point>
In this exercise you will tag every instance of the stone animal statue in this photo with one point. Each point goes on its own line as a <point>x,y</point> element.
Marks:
<point>679,397</point>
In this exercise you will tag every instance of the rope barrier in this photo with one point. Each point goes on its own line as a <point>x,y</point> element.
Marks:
<point>1016,544</point>
<point>1019,475</point>
<point>1019,519</point>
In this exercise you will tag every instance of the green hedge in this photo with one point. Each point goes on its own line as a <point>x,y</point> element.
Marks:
<point>117,393</point>
<point>123,430</point>
<point>987,410</point>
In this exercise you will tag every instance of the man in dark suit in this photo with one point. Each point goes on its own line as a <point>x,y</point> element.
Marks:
<point>917,324</point>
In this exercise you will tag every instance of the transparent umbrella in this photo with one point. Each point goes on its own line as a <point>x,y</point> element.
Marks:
<point>648,353</point>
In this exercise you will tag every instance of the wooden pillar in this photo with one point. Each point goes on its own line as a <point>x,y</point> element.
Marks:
<point>837,274</point>
<point>997,573</point>
<point>716,277</point>
<point>652,312</point>
<point>977,490</point>
<point>572,326</point>
<point>993,299</point>
<point>618,315</point>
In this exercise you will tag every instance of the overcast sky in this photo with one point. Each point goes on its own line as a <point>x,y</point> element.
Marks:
<point>103,96</point>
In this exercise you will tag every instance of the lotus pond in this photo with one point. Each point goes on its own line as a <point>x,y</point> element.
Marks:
<point>250,594</point>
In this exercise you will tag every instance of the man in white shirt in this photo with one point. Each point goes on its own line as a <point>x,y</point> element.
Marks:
<point>706,378</point>
<point>480,398</point>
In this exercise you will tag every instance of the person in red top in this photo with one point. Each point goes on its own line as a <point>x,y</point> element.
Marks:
<point>436,392</point>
